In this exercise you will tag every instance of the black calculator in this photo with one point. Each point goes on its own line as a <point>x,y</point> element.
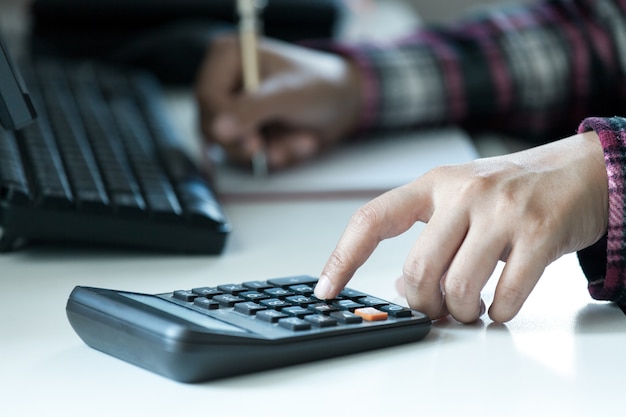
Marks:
<point>206,333</point>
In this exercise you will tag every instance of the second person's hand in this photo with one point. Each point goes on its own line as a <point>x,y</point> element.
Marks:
<point>306,102</point>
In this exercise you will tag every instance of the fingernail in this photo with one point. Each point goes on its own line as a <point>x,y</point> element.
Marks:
<point>225,126</point>
<point>322,288</point>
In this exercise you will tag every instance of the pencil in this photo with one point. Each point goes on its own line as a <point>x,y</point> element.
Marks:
<point>248,30</point>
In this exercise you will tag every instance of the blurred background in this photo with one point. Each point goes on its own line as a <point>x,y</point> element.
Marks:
<point>169,37</point>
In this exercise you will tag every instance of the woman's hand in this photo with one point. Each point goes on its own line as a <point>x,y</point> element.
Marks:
<point>306,102</point>
<point>527,209</point>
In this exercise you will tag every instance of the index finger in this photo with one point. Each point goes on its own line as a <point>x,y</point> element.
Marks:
<point>386,216</point>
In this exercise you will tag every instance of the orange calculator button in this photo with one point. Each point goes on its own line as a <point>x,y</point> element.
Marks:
<point>371,314</point>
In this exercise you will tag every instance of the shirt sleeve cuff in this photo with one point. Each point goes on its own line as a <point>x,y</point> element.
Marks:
<point>604,262</point>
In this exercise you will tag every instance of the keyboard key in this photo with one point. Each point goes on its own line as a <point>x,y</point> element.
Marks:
<point>301,300</point>
<point>352,294</point>
<point>371,314</point>
<point>395,310</point>
<point>289,281</point>
<point>294,323</point>
<point>206,303</point>
<point>107,144</point>
<point>52,185</point>
<point>184,295</point>
<point>301,289</point>
<point>319,320</point>
<point>208,292</point>
<point>322,308</point>
<point>250,308</point>
<point>347,305</point>
<point>71,137</point>
<point>228,300</point>
<point>13,186</point>
<point>257,285</point>
<point>253,295</point>
<point>271,316</point>
<point>370,301</point>
<point>277,292</point>
<point>156,187</point>
<point>275,303</point>
<point>232,288</point>
<point>296,311</point>
<point>346,317</point>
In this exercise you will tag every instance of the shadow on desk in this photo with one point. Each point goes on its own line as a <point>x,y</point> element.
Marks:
<point>597,317</point>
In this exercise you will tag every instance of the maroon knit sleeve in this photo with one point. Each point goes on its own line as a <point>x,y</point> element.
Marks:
<point>604,263</point>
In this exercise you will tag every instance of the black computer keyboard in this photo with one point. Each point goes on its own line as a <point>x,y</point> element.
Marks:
<point>103,165</point>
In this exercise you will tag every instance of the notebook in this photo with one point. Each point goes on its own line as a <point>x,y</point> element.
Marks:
<point>363,168</point>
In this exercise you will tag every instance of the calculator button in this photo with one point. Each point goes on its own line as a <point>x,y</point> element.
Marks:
<point>184,295</point>
<point>208,292</point>
<point>250,308</point>
<point>271,316</point>
<point>296,311</point>
<point>370,301</point>
<point>294,323</point>
<point>228,300</point>
<point>348,293</point>
<point>257,285</point>
<point>289,281</point>
<point>253,295</point>
<point>347,304</point>
<point>319,320</point>
<point>275,303</point>
<point>395,310</point>
<point>301,289</point>
<point>232,288</point>
<point>346,317</point>
<point>301,300</point>
<point>322,308</point>
<point>206,303</point>
<point>371,314</point>
<point>277,292</point>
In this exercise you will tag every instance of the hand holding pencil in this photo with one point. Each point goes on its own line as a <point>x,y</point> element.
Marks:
<point>305,102</point>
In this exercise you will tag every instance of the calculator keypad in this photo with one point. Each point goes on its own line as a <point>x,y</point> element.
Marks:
<point>289,303</point>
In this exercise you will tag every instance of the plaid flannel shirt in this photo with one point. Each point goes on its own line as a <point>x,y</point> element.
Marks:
<point>531,71</point>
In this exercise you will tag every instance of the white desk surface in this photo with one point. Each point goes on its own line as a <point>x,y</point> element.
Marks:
<point>563,355</point>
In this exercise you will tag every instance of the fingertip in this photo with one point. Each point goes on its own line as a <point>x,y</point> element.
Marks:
<point>324,288</point>
<point>497,317</point>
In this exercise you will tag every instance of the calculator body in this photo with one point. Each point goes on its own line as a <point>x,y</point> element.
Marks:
<point>184,341</point>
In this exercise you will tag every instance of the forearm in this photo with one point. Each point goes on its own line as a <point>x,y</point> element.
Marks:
<point>531,71</point>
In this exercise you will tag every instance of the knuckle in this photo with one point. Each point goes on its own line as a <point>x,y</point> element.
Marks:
<point>458,290</point>
<point>415,271</point>
<point>366,217</point>
<point>339,260</point>
<point>509,295</point>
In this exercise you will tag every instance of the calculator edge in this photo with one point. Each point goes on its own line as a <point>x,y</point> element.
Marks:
<point>102,319</point>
